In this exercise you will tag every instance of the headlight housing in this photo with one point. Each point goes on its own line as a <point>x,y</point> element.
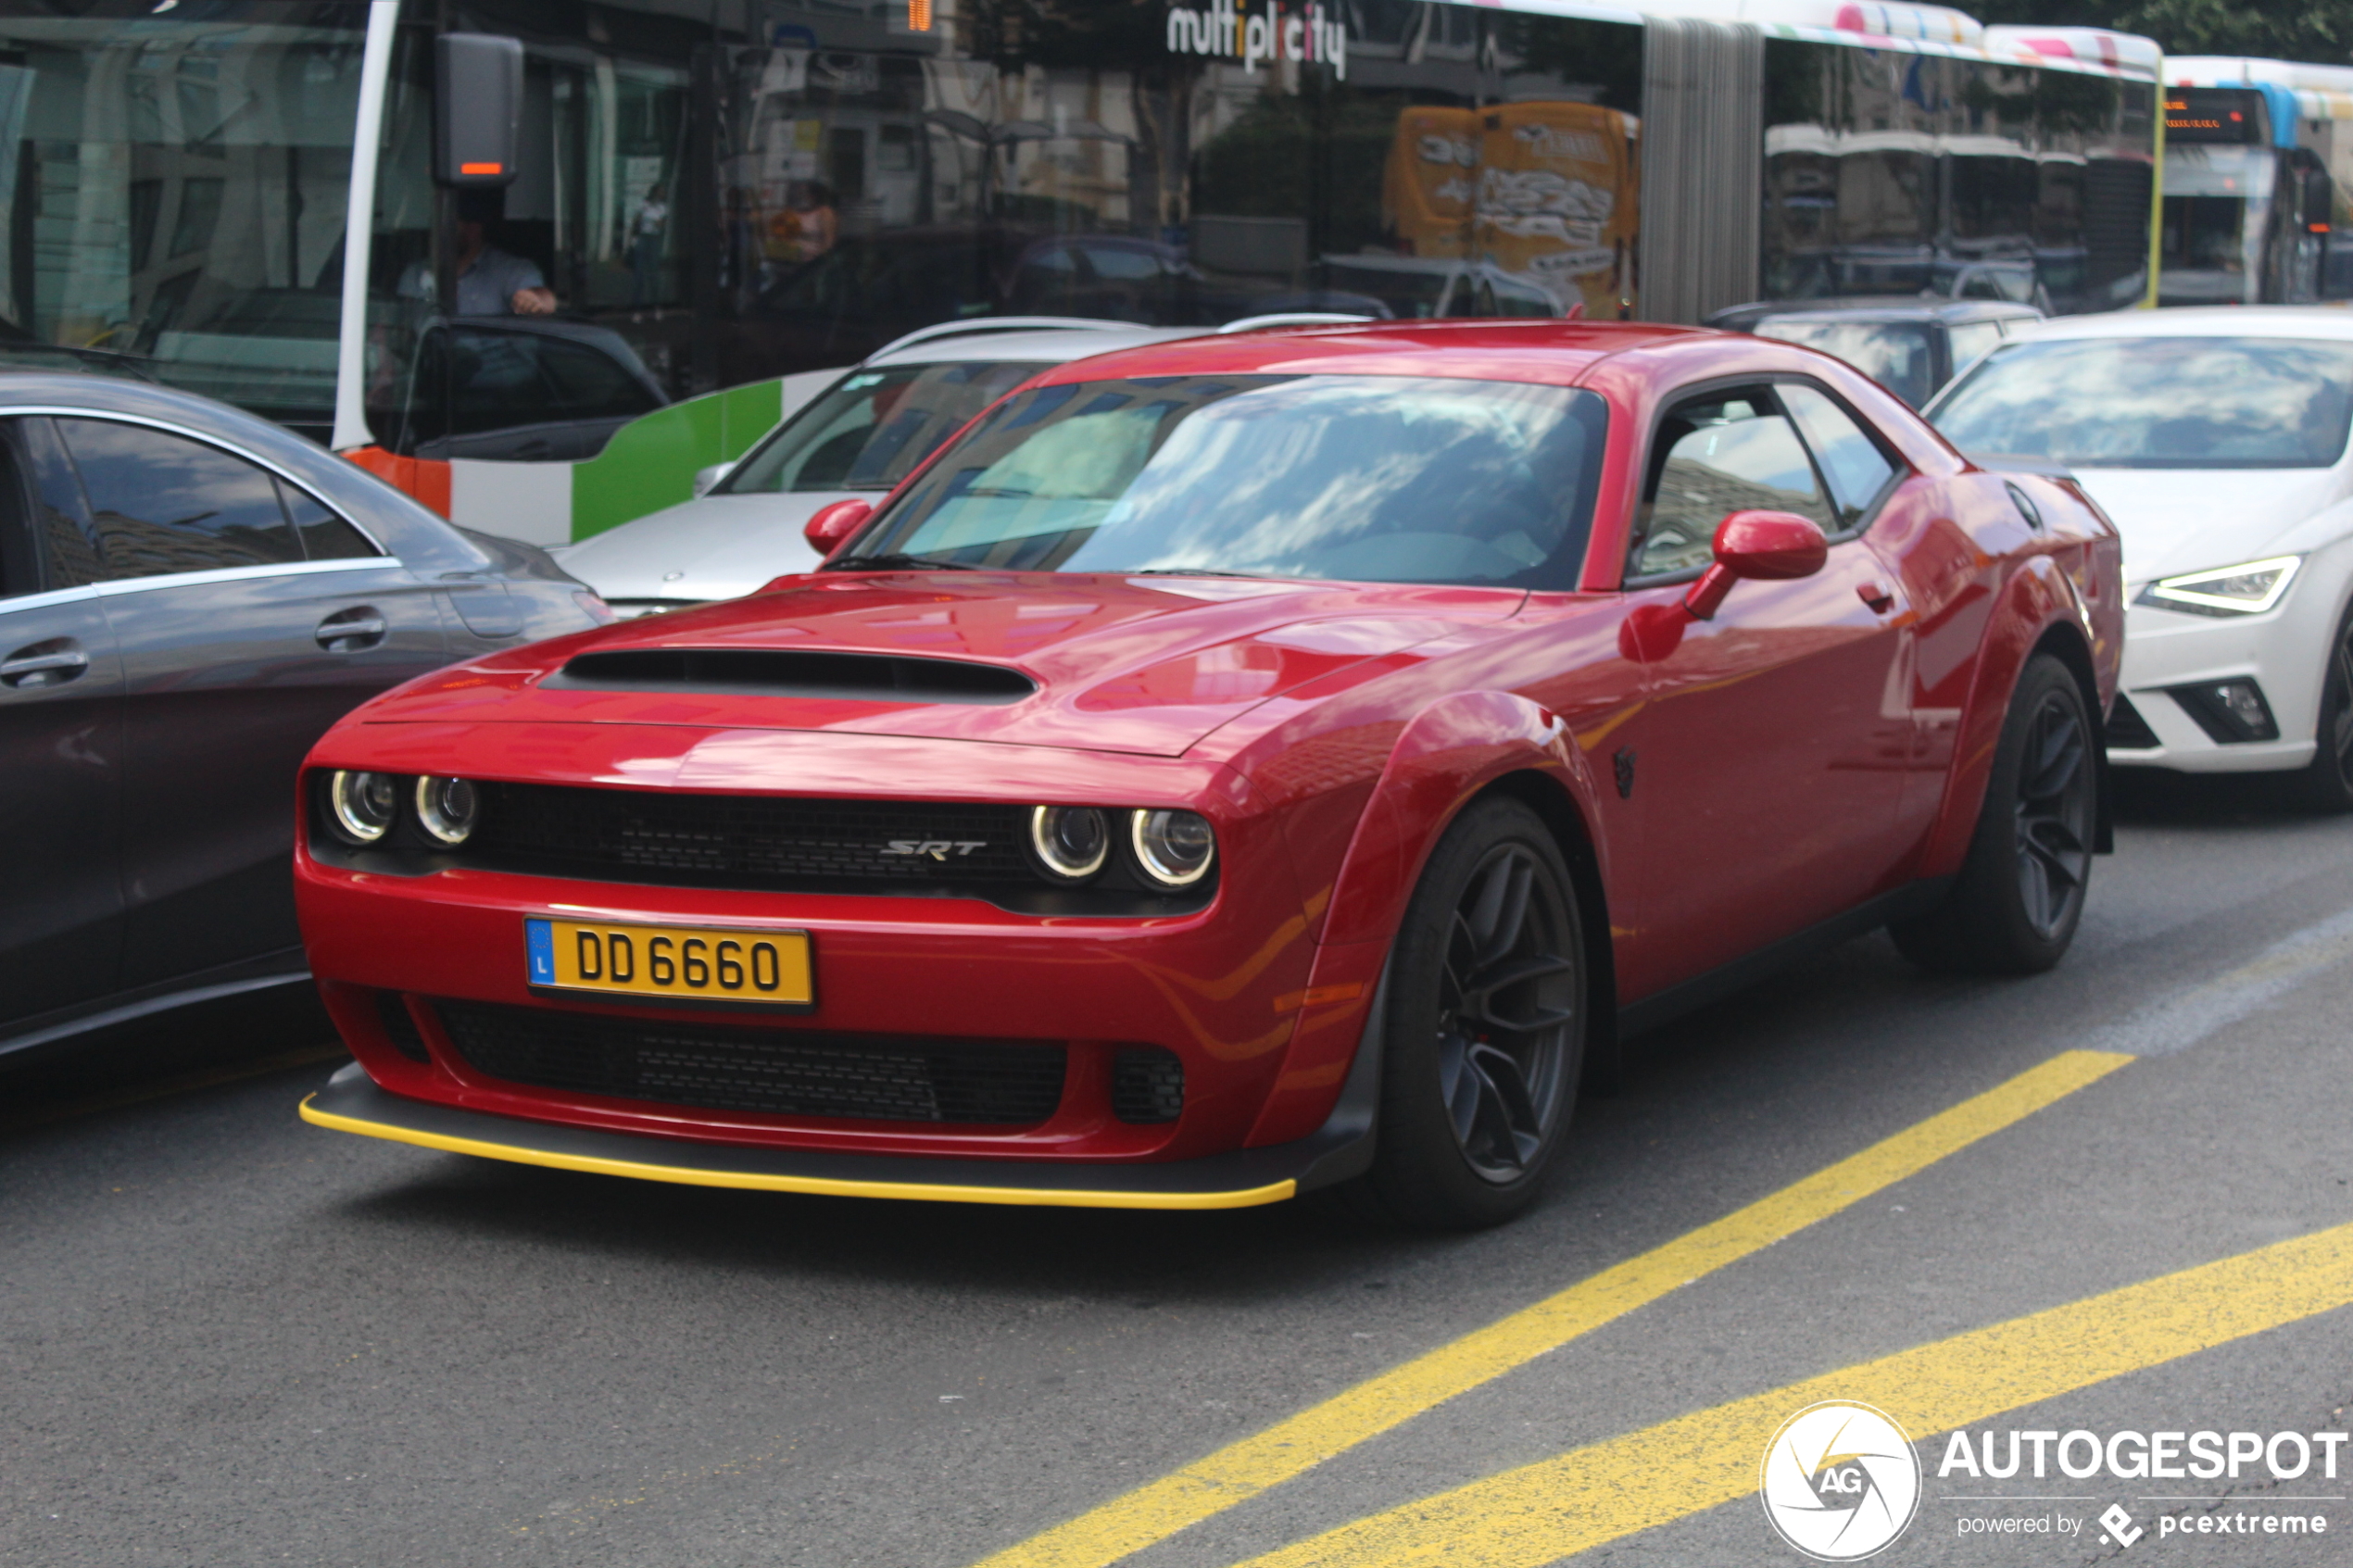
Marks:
<point>448,808</point>
<point>362,807</point>
<point>1070,842</point>
<point>1174,848</point>
<point>2249,588</point>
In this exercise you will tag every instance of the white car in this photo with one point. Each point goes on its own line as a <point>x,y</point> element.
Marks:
<point>2217,440</point>
<point>858,437</point>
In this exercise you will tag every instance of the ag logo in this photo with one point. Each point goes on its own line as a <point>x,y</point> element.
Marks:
<point>1840,1480</point>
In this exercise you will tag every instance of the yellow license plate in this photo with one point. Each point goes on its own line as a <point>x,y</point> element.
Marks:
<point>695,963</point>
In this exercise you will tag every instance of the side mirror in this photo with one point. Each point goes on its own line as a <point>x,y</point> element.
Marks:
<point>1769,546</point>
<point>477,108</point>
<point>705,478</point>
<point>833,525</point>
<point>2319,201</point>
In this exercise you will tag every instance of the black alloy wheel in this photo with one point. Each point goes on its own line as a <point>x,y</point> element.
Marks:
<point>1485,1025</point>
<point>2326,783</point>
<point>2056,802</point>
<point>2014,908</point>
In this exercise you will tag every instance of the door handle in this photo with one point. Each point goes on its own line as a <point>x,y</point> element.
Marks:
<point>351,631</point>
<point>1878,598</point>
<point>44,664</point>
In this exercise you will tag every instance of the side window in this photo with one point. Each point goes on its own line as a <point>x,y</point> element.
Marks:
<point>19,556</point>
<point>163,504</point>
<point>589,384</point>
<point>1858,469</point>
<point>59,521</point>
<point>1715,455</point>
<point>324,535</point>
<point>1972,341</point>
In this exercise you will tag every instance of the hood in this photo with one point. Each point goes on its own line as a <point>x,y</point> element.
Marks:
<point>712,547</point>
<point>2188,519</point>
<point>1098,663</point>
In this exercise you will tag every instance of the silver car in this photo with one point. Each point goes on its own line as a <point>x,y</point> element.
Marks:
<point>859,436</point>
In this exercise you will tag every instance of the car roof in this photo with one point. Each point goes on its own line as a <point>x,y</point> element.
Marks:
<point>1042,345</point>
<point>1876,308</point>
<point>1553,353</point>
<point>2220,320</point>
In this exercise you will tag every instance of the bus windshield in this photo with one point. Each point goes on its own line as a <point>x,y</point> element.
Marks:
<point>178,189</point>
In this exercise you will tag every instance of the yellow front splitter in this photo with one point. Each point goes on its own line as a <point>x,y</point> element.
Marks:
<point>352,1103</point>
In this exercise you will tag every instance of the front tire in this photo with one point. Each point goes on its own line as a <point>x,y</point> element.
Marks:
<point>2326,783</point>
<point>2015,906</point>
<point>1485,1026</point>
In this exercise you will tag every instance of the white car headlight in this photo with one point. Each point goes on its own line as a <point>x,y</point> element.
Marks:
<point>2249,588</point>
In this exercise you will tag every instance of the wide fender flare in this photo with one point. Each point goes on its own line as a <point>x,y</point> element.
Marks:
<point>2036,597</point>
<point>1448,753</point>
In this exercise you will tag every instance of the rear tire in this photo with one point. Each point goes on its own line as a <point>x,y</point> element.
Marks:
<point>1485,1027</point>
<point>2325,784</point>
<point>2019,897</point>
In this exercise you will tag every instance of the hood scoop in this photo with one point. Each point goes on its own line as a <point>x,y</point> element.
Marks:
<point>851,677</point>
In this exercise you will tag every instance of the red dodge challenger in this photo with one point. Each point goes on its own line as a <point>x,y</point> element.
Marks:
<point>1229,768</point>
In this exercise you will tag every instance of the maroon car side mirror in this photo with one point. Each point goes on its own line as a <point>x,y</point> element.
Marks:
<point>1766,545</point>
<point>832,524</point>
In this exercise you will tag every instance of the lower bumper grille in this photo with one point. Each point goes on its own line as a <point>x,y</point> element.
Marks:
<point>2127,731</point>
<point>783,1073</point>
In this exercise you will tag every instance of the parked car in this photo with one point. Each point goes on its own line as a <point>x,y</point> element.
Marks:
<point>859,436</point>
<point>2215,438</point>
<point>189,596</point>
<point>1222,750</point>
<point>515,389</point>
<point>1909,344</point>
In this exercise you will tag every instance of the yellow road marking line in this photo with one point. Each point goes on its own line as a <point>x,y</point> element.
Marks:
<point>1542,1513</point>
<point>1242,1470</point>
<point>823,1186</point>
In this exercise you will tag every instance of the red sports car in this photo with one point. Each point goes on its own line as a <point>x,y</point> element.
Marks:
<point>1229,768</point>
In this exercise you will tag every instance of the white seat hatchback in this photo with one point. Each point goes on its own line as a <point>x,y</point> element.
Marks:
<point>856,438</point>
<point>2215,438</point>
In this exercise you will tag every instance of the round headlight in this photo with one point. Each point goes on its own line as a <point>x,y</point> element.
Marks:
<point>1070,842</point>
<point>1176,849</point>
<point>448,808</point>
<point>362,805</point>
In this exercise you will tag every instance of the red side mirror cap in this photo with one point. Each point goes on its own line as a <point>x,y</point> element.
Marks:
<point>833,524</point>
<point>1766,545</point>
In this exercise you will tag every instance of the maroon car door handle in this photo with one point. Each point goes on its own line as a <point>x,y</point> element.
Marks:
<point>44,664</point>
<point>1878,598</point>
<point>352,630</point>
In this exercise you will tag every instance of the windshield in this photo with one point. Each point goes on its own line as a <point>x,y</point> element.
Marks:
<point>2157,402</point>
<point>176,187</point>
<point>1894,354</point>
<point>1365,478</point>
<point>868,431</point>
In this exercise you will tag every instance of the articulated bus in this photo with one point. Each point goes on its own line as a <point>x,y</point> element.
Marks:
<point>718,204</point>
<point>2258,182</point>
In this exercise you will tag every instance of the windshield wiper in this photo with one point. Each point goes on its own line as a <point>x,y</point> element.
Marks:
<point>898,561</point>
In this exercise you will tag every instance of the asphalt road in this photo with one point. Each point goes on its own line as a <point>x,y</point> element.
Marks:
<point>226,1337</point>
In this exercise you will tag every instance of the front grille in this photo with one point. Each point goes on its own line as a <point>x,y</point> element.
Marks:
<point>781,1073</point>
<point>747,840</point>
<point>1147,1085</point>
<point>400,1026</point>
<point>2127,731</point>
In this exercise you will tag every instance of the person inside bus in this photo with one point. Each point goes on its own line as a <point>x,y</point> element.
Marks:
<point>490,282</point>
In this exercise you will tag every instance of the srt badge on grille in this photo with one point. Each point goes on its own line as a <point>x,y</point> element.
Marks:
<point>938,849</point>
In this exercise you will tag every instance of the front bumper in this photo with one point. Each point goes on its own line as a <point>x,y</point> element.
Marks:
<point>2284,651</point>
<point>1245,1178</point>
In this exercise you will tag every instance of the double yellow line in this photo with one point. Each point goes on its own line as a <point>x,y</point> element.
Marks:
<point>1240,1470</point>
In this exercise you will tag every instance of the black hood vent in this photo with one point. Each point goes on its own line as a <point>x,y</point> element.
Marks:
<point>855,677</point>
